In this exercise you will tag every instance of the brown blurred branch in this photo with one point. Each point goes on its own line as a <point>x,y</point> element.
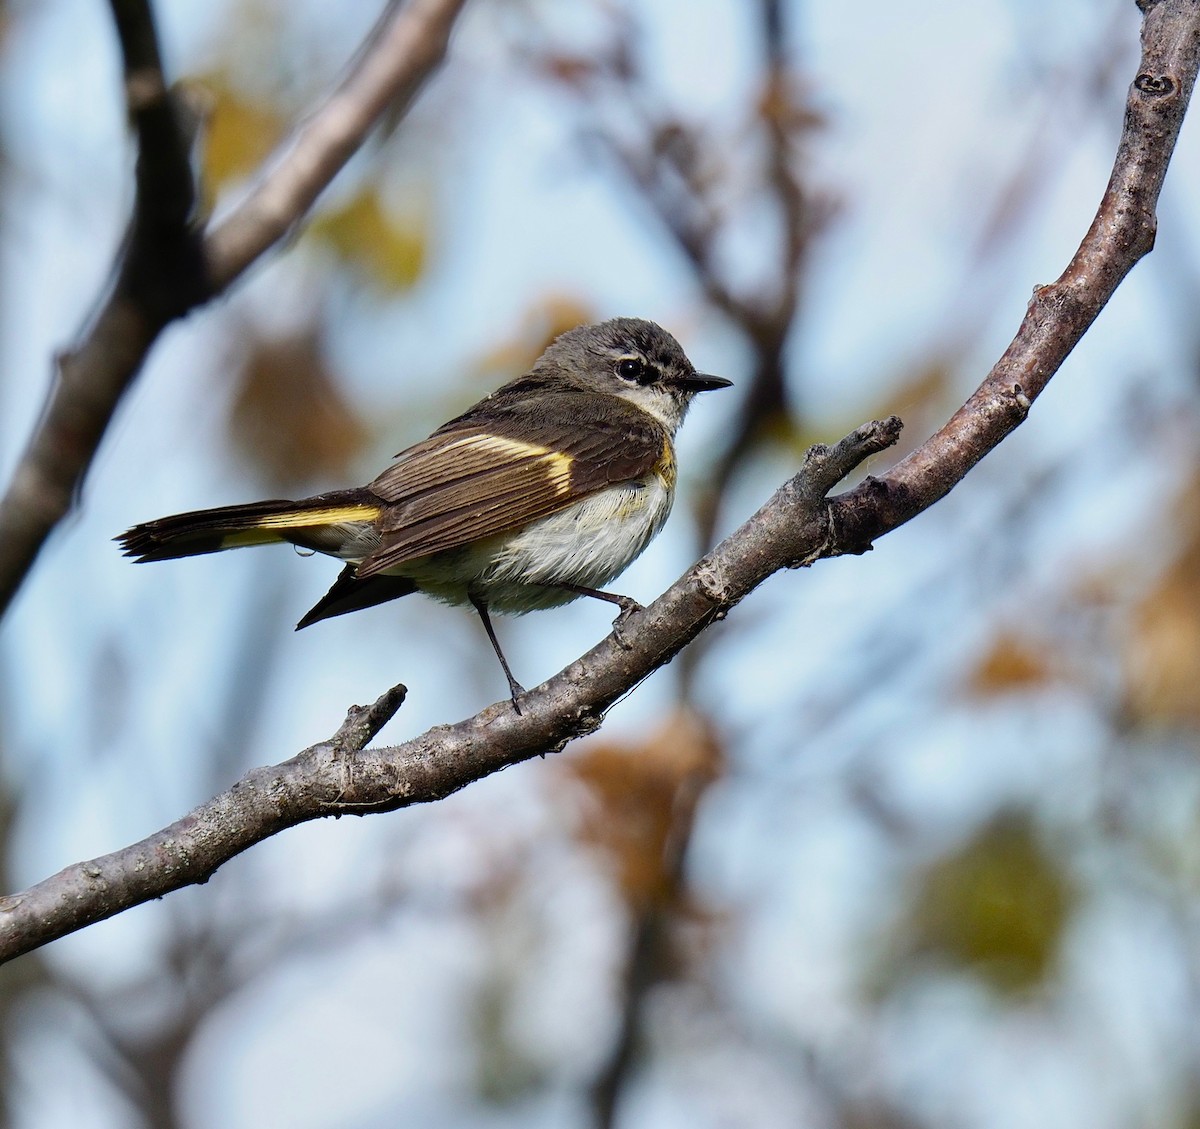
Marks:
<point>766,318</point>
<point>670,163</point>
<point>167,266</point>
<point>649,942</point>
<point>159,274</point>
<point>798,526</point>
<point>768,322</point>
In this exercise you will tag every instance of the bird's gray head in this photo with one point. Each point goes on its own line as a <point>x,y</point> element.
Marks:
<point>631,358</point>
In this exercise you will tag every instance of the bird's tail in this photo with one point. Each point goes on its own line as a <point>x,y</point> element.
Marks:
<point>318,523</point>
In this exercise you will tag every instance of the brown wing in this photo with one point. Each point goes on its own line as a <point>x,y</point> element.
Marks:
<point>507,462</point>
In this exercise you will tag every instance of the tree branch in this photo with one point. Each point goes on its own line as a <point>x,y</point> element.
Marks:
<point>158,275</point>
<point>798,526</point>
<point>340,777</point>
<point>167,267</point>
<point>406,46</point>
<point>1058,314</point>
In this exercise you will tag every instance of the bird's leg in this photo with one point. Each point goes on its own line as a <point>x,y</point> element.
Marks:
<point>627,604</point>
<point>514,687</point>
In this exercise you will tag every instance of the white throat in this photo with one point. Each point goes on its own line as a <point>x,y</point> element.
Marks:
<point>669,410</point>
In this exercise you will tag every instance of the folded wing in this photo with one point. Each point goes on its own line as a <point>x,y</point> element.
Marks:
<point>495,470</point>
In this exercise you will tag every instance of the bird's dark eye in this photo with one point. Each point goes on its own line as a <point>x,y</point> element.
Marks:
<point>632,369</point>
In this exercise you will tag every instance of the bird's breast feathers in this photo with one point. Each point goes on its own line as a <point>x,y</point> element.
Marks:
<point>588,543</point>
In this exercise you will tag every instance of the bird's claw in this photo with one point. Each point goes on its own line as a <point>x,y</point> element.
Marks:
<point>629,607</point>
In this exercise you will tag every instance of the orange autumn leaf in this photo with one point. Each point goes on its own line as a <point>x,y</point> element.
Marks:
<point>1013,664</point>
<point>289,418</point>
<point>639,796</point>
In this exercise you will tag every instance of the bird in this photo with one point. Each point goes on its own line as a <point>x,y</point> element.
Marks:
<point>544,491</point>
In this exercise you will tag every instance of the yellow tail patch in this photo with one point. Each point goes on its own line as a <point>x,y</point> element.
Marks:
<point>331,515</point>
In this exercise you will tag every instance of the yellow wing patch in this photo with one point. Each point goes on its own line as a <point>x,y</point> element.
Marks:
<point>557,464</point>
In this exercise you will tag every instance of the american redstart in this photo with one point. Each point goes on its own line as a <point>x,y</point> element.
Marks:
<point>542,492</point>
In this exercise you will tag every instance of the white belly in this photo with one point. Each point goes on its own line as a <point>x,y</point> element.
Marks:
<point>587,544</point>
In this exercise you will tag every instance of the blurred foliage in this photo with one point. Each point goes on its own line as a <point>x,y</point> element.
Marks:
<point>1162,659</point>
<point>504,1070</point>
<point>636,795</point>
<point>1013,664</point>
<point>997,907</point>
<point>384,248</point>
<point>542,322</point>
<point>288,418</point>
<point>240,133</point>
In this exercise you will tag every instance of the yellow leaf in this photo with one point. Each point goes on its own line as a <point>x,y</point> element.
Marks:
<point>388,249</point>
<point>997,907</point>
<point>240,135</point>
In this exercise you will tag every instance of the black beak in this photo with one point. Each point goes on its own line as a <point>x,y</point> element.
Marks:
<point>702,382</point>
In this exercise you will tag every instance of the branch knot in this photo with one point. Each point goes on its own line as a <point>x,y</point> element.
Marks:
<point>1155,86</point>
<point>712,582</point>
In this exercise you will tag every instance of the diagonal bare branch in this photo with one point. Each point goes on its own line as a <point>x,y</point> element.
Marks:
<point>167,266</point>
<point>1060,313</point>
<point>339,777</point>
<point>406,46</point>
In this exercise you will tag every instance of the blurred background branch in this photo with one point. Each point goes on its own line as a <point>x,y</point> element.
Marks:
<point>167,266</point>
